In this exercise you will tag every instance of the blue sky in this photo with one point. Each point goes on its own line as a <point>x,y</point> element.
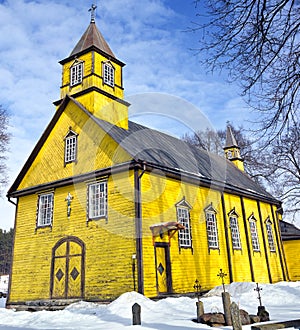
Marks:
<point>148,35</point>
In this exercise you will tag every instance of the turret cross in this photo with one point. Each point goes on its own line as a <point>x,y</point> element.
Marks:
<point>92,10</point>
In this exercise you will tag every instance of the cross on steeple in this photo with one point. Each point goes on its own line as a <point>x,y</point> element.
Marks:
<point>92,10</point>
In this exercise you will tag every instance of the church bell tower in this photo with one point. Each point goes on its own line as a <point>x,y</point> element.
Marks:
<point>92,75</point>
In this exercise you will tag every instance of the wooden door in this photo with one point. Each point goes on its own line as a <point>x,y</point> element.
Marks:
<point>67,269</point>
<point>163,268</point>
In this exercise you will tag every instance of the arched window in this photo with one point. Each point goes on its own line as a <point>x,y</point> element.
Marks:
<point>211,227</point>
<point>183,217</point>
<point>71,146</point>
<point>253,232</point>
<point>234,228</point>
<point>270,235</point>
<point>108,74</point>
<point>76,73</point>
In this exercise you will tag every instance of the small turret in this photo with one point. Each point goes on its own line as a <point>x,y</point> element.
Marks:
<point>232,150</point>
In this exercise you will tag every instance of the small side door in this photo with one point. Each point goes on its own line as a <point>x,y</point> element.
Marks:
<point>163,268</point>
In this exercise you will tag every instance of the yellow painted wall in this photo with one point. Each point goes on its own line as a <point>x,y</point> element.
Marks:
<point>258,257</point>
<point>291,250</point>
<point>108,108</point>
<point>90,80</point>
<point>274,261</point>
<point>238,257</point>
<point>96,150</point>
<point>159,197</point>
<point>109,244</point>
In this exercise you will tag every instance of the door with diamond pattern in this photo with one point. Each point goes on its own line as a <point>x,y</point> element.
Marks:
<point>67,268</point>
<point>163,268</point>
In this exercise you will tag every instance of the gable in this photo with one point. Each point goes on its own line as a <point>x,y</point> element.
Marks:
<point>95,150</point>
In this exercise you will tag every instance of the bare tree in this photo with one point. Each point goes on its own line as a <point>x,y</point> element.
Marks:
<point>4,141</point>
<point>258,42</point>
<point>276,166</point>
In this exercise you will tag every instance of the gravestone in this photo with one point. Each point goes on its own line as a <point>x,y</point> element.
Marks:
<point>235,317</point>
<point>136,314</point>
<point>200,310</point>
<point>226,307</point>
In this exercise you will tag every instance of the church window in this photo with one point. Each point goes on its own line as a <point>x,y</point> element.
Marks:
<point>253,232</point>
<point>211,227</point>
<point>76,73</point>
<point>97,200</point>
<point>45,210</point>
<point>108,74</point>
<point>70,147</point>
<point>270,235</point>
<point>234,228</point>
<point>183,217</point>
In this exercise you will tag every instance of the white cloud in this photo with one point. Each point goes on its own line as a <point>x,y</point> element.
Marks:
<point>145,34</point>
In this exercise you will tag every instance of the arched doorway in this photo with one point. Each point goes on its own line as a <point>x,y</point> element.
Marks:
<point>67,268</point>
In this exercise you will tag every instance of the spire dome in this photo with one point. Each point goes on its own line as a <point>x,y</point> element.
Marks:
<point>92,37</point>
<point>230,139</point>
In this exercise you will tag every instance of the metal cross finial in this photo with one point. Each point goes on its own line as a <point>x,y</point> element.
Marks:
<point>258,292</point>
<point>197,288</point>
<point>222,275</point>
<point>92,10</point>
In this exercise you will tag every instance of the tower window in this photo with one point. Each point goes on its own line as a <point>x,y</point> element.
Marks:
<point>253,231</point>
<point>108,74</point>
<point>270,235</point>
<point>211,227</point>
<point>45,210</point>
<point>71,147</point>
<point>235,233</point>
<point>76,73</point>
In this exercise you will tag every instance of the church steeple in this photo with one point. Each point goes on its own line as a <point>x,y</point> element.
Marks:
<point>93,76</point>
<point>232,150</point>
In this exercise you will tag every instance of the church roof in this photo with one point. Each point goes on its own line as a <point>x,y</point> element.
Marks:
<point>168,154</point>
<point>289,231</point>
<point>230,139</point>
<point>92,37</point>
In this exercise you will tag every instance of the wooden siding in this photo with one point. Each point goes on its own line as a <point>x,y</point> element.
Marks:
<point>109,243</point>
<point>159,197</point>
<point>96,150</point>
<point>291,250</point>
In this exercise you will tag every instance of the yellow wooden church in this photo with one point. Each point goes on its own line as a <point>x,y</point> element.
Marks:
<point>106,206</point>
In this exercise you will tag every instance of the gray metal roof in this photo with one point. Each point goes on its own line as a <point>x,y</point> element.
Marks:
<point>92,37</point>
<point>289,231</point>
<point>167,153</point>
<point>157,148</point>
<point>230,139</point>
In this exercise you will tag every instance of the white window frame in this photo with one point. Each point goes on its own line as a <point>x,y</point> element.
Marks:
<point>71,147</point>
<point>270,235</point>
<point>253,232</point>
<point>184,235</point>
<point>97,200</point>
<point>211,227</point>
<point>234,229</point>
<point>76,73</point>
<point>108,74</point>
<point>45,210</point>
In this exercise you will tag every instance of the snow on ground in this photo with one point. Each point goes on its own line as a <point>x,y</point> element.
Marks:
<point>281,301</point>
